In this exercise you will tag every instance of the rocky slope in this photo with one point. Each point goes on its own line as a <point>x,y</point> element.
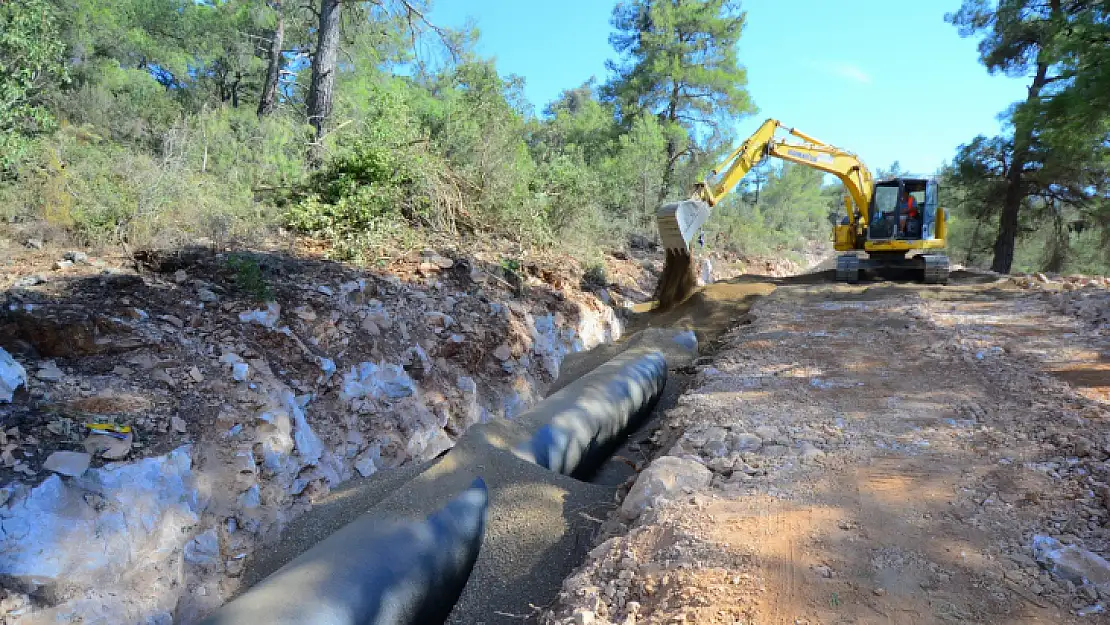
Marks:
<point>251,384</point>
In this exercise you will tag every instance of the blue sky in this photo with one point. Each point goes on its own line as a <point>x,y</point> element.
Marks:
<point>889,80</point>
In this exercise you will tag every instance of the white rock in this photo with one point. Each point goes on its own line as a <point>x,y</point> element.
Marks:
<point>377,381</point>
<point>745,442</point>
<point>427,443</point>
<point>49,372</point>
<point>68,463</point>
<point>667,476</point>
<point>52,534</point>
<point>1071,562</point>
<point>809,452</point>
<point>178,425</point>
<point>267,318</point>
<point>365,465</point>
<point>12,376</point>
<point>207,295</point>
<point>307,443</point>
<point>204,549</point>
<point>240,371</point>
<point>251,498</point>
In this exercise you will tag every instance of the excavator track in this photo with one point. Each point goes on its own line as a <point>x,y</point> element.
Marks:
<point>936,268</point>
<point>847,268</point>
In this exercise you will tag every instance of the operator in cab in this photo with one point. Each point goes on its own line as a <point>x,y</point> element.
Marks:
<point>910,218</point>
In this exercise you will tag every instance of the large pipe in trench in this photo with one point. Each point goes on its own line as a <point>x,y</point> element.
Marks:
<point>373,572</point>
<point>576,428</point>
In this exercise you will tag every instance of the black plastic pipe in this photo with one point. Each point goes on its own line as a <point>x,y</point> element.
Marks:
<point>373,572</point>
<point>577,427</point>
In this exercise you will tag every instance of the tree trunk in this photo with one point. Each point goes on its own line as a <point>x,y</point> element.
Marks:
<point>672,149</point>
<point>324,65</point>
<point>1015,178</point>
<point>1015,182</point>
<point>268,99</point>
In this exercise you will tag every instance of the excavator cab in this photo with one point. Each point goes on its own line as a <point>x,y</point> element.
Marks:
<point>901,208</point>
<point>906,232</point>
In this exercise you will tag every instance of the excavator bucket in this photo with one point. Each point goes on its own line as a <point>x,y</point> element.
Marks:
<point>679,222</point>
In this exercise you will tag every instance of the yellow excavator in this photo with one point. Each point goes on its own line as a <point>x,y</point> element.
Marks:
<point>895,221</point>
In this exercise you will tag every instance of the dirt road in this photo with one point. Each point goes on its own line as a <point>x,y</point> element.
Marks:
<point>882,454</point>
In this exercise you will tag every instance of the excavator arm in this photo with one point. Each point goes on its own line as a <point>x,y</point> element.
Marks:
<point>679,222</point>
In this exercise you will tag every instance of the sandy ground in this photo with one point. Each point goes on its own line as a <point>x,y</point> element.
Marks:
<point>909,442</point>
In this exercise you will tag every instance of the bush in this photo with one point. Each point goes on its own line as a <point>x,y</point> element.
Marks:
<point>100,193</point>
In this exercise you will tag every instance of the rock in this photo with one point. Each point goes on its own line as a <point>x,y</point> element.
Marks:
<point>29,281</point>
<point>770,435</point>
<point>304,313</point>
<point>109,447</point>
<point>808,452</point>
<point>50,373</point>
<point>178,424</point>
<point>68,463</point>
<point>251,498</point>
<point>307,443</point>
<point>266,318</point>
<point>35,244</point>
<point>428,443</point>
<point>370,327</point>
<point>161,376</point>
<point>207,296</point>
<point>240,371</point>
<point>715,448</point>
<point>12,376</point>
<point>204,549</point>
<point>584,617</point>
<point>180,276</point>
<point>80,258</point>
<point>60,265</point>
<point>326,290</point>
<point>197,376</point>
<point>365,465</point>
<point>502,352</point>
<point>438,319</point>
<point>666,476</point>
<point>377,381</point>
<point>745,442</point>
<point>1071,563</point>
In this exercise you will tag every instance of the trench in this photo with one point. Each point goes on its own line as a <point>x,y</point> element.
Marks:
<point>539,523</point>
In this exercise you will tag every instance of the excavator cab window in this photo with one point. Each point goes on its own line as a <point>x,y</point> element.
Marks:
<point>884,210</point>
<point>912,210</point>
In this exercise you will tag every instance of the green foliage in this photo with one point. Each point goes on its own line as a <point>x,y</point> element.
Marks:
<point>101,193</point>
<point>680,65</point>
<point>1053,165</point>
<point>248,277</point>
<point>158,142</point>
<point>790,214</point>
<point>30,61</point>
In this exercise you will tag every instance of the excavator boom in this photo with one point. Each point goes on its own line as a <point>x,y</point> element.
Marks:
<point>679,222</point>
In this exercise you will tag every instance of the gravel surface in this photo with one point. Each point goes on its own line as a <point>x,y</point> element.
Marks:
<point>880,454</point>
